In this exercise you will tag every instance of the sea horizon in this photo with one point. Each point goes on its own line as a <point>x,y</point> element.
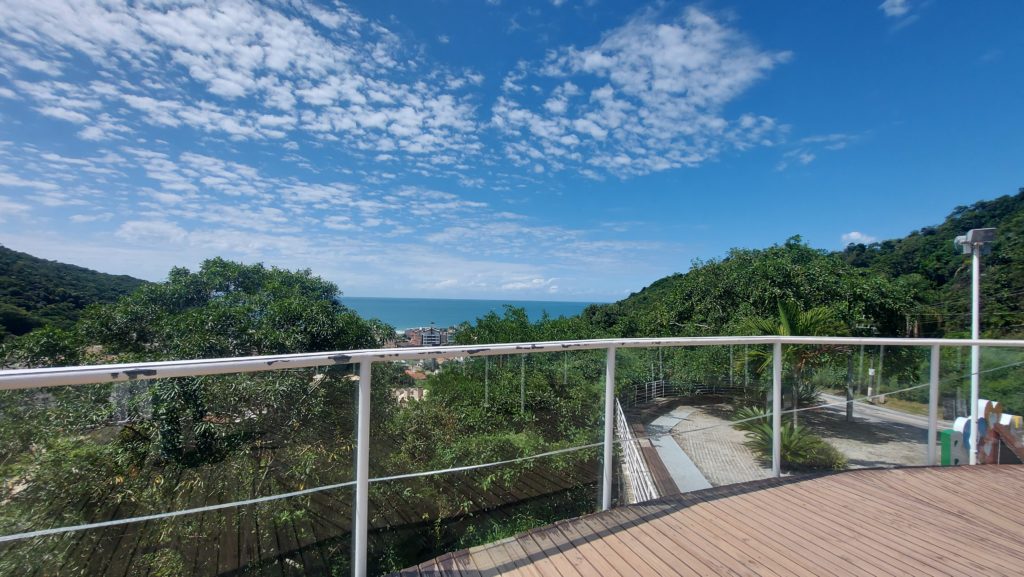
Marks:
<point>411,312</point>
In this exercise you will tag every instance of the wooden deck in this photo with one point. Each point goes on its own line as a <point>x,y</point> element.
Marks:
<point>917,521</point>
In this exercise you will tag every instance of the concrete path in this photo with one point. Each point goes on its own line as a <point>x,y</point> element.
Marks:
<point>719,450</point>
<point>686,475</point>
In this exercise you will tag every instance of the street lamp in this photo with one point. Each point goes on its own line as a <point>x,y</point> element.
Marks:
<point>975,243</point>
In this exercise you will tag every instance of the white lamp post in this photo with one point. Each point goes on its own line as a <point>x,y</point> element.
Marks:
<point>975,243</point>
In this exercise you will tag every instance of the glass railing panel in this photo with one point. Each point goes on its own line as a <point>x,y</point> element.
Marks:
<point>1000,406</point>
<point>868,405</point>
<point>182,475</point>
<point>530,414</point>
<point>686,429</point>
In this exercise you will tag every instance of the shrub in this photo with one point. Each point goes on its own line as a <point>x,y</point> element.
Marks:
<point>749,418</point>
<point>801,449</point>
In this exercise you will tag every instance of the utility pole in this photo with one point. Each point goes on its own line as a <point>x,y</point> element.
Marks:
<point>975,243</point>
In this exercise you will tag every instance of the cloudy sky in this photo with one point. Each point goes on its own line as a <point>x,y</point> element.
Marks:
<point>563,150</point>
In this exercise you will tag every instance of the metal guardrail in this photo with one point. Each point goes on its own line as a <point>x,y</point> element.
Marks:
<point>641,482</point>
<point>62,376</point>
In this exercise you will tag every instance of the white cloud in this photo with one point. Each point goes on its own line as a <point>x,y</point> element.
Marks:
<point>809,148</point>
<point>64,114</point>
<point>444,39</point>
<point>855,237</point>
<point>10,207</point>
<point>14,181</point>
<point>140,232</point>
<point>647,97</point>
<point>895,8</point>
<point>348,82</point>
<point>80,218</point>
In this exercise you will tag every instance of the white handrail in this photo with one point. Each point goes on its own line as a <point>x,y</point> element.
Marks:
<point>89,374</point>
<point>641,480</point>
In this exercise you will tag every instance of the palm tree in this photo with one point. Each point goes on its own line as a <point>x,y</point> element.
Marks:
<point>793,321</point>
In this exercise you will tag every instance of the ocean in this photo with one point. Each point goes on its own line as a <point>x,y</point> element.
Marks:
<point>405,313</point>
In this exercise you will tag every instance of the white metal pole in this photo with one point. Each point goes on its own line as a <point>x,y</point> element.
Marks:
<point>777,410</point>
<point>975,351</point>
<point>522,384</point>
<point>360,530</point>
<point>746,367</point>
<point>487,381</point>
<point>933,406</point>
<point>609,430</point>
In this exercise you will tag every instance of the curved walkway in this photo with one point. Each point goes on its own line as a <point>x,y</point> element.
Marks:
<point>916,521</point>
<point>720,453</point>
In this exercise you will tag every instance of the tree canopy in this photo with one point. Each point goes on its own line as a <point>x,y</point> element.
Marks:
<point>716,296</point>
<point>35,292</point>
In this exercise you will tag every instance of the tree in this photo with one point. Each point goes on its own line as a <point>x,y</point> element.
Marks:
<point>165,444</point>
<point>792,321</point>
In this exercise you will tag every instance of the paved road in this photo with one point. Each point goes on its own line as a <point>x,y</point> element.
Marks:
<point>877,413</point>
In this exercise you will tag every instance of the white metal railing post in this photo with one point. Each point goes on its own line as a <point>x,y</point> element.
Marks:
<point>933,405</point>
<point>360,530</point>
<point>975,349</point>
<point>609,429</point>
<point>777,410</point>
<point>522,384</point>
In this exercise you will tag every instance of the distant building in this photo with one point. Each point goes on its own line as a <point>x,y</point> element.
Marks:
<point>406,394</point>
<point>425,337</point>
<point>434,337</point>
<point>416,375</point>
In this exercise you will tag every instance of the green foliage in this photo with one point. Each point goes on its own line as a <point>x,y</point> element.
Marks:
<point>940,276</point>
<point>716,296</point>
<point>750,418</point>
<point>36,292</point>
<point>801,450</point>
<point>227,309</point>
<point>69,453</point>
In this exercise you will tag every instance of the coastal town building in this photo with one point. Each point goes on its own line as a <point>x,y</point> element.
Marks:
<point>426,337</point>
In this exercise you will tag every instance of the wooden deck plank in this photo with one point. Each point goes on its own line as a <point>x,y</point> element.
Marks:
<point>588,545</point>
<point>873,526</point>
<point>740,517</point>
<point>692,546</point>
<point>918,518</point>
<point>506,560</point>
<point>837,524</point>
<point>563,565</point>
<point>839,558</point>
<point>708,514</point>
<point>620,546</point>
<point>740,520</point>
<point>661,545</point>
<point>919,521</point>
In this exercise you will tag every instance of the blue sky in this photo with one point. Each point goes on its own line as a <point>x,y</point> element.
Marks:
<point>563,150</point>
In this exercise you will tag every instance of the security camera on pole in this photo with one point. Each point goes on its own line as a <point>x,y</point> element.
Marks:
<point>975,243</point>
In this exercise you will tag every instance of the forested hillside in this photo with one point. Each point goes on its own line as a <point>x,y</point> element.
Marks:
<point>914,286</point>
<point>36,292</point>
<point>941,276</point>
<point>718,296</point>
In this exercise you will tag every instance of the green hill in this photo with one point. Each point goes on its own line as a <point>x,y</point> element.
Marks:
<point>913,286</point>
<point>36,292</point>
<point>715,296</point>
<point>941,275</point>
